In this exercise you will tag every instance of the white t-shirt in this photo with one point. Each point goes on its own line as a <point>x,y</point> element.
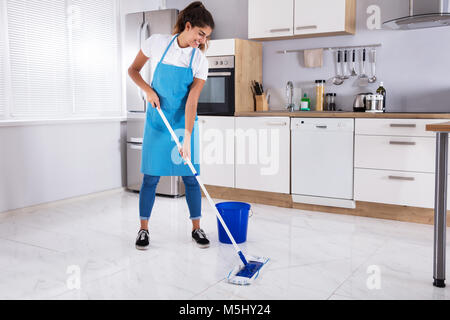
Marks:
<point>154,47</point>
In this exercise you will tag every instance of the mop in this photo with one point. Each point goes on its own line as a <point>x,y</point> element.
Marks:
<point>245,273</point>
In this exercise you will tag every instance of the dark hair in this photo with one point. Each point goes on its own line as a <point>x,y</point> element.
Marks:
<point>197,15</point>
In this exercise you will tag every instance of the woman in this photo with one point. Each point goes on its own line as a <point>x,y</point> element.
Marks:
<point>179,71</point>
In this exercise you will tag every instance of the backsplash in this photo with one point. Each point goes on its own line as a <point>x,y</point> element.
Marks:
<point>413,64</point>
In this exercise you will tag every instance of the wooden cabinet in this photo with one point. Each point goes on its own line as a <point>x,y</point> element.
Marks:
<point>217,150</point>
<point>284,19</point>
<point>262,153</point>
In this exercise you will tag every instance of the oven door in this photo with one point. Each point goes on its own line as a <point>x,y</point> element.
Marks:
<point>217,97</point>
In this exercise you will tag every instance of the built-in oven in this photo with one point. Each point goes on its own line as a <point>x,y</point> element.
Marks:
<point>218,97</point>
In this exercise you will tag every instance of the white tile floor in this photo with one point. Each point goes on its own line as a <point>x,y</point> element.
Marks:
<point>313,255</point>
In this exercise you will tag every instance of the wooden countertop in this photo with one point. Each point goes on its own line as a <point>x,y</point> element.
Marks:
<point>439,127</point>
<point>344,114</point>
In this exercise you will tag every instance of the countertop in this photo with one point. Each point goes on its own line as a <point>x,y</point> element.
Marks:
<point>344,114</point>
<point>439,127</point>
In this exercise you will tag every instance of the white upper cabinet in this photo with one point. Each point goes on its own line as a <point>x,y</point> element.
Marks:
<point>319,16</point>
<point>269,18</point>
<point>284,19</point>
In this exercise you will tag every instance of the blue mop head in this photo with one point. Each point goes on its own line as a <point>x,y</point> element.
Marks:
<point>244,274</point>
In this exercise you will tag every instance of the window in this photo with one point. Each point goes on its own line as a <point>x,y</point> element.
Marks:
<point>63,58</point>
<point>3,55</point>
<point>95,57</point>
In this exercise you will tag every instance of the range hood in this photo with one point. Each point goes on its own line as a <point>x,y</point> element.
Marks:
<point>423,14</point>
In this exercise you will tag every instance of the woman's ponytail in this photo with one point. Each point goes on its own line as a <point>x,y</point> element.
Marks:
<point>197,15</point>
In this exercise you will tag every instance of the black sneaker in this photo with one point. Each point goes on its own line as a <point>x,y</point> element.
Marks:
<point>142,240</point>
<point>199,236</point>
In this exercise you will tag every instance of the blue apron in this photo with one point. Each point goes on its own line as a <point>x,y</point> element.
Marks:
<point>160,156</point>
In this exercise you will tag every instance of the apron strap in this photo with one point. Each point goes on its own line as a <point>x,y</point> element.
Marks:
<point>167,49</point>
<point>192,57</point>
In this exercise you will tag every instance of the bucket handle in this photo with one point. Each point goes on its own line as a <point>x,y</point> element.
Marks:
<point>251,212</point>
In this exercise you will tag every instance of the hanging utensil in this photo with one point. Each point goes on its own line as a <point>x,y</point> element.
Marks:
<point>363,78</point>
<point>354,74</point>
<point>338,80</point>
<point>373,78</point>
<point>344,70</point>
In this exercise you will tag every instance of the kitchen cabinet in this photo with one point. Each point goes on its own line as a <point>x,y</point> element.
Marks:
<point>321,16</point>
<point>262,153</point>
<point>268,18</point>
<point>395,161</point>
<point>217,150</point>
<point>300,18</point>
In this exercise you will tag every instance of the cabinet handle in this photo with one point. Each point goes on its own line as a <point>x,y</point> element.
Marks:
<point>136,140</point>
<point>321,127</point>
<point>403,125</point>
<point>401,178</point>
<point>306,27</point>
<point>276,123</point>
<point>403,143</point>
<point>219,74</point>
<point>135,147</point>
<point>280,30</point>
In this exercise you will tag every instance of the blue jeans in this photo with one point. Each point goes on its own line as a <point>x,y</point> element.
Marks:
<point>148,192</point>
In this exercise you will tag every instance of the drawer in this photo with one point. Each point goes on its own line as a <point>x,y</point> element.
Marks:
<point>395,153</point>
<point>395,187</point>
<point>395,127</point>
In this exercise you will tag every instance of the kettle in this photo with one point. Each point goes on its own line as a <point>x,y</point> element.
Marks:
<point>359,105</point>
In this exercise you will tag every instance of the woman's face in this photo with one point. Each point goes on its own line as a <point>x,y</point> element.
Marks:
<point>196,36</point>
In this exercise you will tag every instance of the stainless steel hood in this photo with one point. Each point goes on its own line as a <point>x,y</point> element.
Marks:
<point>423,14</point>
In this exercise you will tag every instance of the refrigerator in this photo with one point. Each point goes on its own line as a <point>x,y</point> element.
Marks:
<point>139,27</point>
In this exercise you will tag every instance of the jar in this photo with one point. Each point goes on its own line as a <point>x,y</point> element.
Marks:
<point>330,104</point>
<point>320,90</point>
<point>379,102</point>
<point>374,103</point>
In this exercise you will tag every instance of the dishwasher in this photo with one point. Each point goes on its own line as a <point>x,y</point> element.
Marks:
<point>322,161</point>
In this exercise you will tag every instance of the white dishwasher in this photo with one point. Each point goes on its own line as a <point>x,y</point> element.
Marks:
<point>322,161</point>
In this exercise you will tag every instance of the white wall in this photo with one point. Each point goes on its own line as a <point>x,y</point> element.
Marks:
<point>47,162</point>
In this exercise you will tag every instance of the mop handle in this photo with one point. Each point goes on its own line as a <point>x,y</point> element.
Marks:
<point>188,161</point>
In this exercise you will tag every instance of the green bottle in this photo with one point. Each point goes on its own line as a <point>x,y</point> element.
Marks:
<point>305,103</point>
<point>382,91</point>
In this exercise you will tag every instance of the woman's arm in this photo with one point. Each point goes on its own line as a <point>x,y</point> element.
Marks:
<point>191,104</point>
<point>134,73</point>
<point>190,113</point>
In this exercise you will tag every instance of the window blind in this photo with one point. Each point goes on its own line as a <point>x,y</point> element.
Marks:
<point>39,63</point>
<point>3,54</point>
<point>95,57</point>
<point>64,58</point>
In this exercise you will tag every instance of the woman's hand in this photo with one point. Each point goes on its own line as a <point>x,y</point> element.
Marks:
<point>185,150</point>
<point>153,98</point>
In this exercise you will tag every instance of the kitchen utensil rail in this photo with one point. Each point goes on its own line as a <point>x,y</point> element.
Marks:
<point>333,48</point>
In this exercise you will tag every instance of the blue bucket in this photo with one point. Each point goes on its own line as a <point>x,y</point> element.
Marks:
<point>235,215</point>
